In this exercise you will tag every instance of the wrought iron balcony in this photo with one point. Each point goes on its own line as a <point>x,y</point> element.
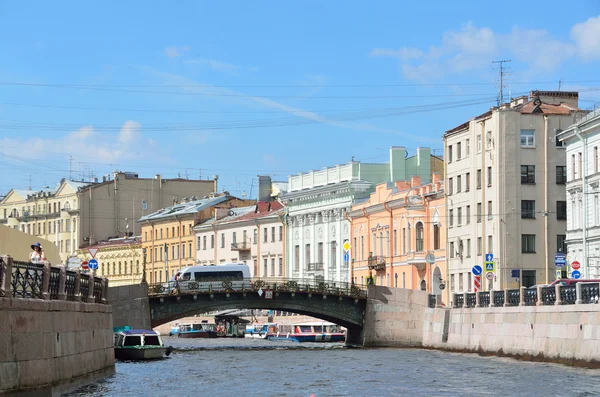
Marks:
<point>376,262</point>
<point>241,246</point>
<point>315,267</point>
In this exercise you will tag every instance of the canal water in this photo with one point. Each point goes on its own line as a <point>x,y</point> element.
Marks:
<point>244,367</point>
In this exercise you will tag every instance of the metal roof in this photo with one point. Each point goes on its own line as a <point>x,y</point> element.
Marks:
<point>185,208</point>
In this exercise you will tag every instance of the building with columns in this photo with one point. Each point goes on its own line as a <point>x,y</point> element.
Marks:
<point>583,194</point>
<point>398,236</point>
<point>119,259</point>
<point>76,214</point>
<point>318,204</point>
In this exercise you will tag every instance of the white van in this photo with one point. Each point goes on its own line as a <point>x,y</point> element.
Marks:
<point>217,277</point>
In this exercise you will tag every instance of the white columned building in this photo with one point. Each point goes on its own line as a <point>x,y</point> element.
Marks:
<point>583,194</point>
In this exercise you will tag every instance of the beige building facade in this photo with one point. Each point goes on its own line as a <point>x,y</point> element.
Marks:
<point>505,186</point>
<point>119,259</point>
<point>77,214</point>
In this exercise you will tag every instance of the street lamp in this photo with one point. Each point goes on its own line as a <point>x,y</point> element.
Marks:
<point>144,266</point>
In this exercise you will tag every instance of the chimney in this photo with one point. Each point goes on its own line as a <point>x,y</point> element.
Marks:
<point>435,178</point>
<point>415,181</point>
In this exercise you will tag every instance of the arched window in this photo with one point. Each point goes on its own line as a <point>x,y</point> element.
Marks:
<point>14,213</point>
<point>67,206</point>
<point>423,285</point>
<point>419,236</point>
<point>120,268</point>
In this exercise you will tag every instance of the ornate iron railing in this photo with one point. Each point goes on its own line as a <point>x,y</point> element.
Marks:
<point>513,297</point>
<point>484,299</point>
<point>568,294</point>
<point>97,290</point>
<point>459,300</point>
<point>549,295</point>
<point>70,281</point>
<point>84,286</point>
<point>589,293</point>
<point>27,280</point>
<point>471,300</point>
<point>530,297</point>
<point>255,284</point>
<point>432,301</point>
<point>499,298</point>
<point>54,282</point>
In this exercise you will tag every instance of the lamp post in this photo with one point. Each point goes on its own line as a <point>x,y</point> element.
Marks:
<point>144,266</point>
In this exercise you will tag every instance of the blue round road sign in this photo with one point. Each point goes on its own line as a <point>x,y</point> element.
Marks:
<point>576,274</point>
<point>477,270</point>
<point>346,257</point>
<point>93,264</point>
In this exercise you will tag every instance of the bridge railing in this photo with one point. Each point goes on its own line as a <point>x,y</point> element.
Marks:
<point>256,284</point>
<point>580,293</point>
<point>42,281</point>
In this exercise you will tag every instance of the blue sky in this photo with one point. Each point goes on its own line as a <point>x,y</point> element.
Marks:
<point>266,87</point>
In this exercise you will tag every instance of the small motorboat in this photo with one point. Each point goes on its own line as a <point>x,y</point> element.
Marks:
<point>309,332</point>
<point>202,330</point>
<point>260,331</point>
<point>139,344</point>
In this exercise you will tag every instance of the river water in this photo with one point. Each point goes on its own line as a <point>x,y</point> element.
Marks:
<point>244,367</point>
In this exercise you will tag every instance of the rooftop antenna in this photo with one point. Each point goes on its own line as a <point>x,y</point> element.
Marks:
<point>70,168</point>
<point>559,84</point>
<point>502,73</point>
<point>200,173</point>
<point>30,182</point>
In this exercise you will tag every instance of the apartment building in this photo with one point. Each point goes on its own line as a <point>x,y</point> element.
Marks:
<point>251,235</point>
<point>119,259</point>
<point>76,214</point>
<point>505,186</point>
<point>399,237</point>
<point>318,203</point>
<point>168,234</point>
<point>582,140</point>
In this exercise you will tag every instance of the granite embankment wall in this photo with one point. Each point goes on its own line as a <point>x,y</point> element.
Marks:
<point>568,334</point>
<point>394,317</point>
<point>48,347</point>
<point>130,306</point>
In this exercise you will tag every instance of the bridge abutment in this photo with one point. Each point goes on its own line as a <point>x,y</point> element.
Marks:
<point>130,305</point>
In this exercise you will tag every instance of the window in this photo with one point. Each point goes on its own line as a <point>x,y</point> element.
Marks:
<point>320,253</point>
<point>558,142</point>
<point>460,282</point>
<point>561,210</point>
<point>478,212</point>
<point>212,241</point>
<point>183,250</point>
<point>183,230</point>
<point>333,254</point>
<point>204,242</point>
<point>470,282</point>
<point>436,237</point>
<point>362,247</point>
<point>467,181</point>
<point>255,237</point>
<point>528,243</point>
<point>265,235</point>
<point>468,248</point>
<point>452,250</point>
<point>490,215</point>
<point>561,174</point>
<point>450,218</point>
<point>527,209</point>
<point>395,242</point>
<point>527,138</point>
<point>450,186</point>
<point>458,184</point>
<point>68,246</point>
<point>468,215</point>
<point>458,150</point>
<point>478,179</point>
<point>479,248</point>
<point>374,242</point>
<point>580,167</point>
<point>459,216</point>
<point>272,267</point>
<point>488,138</point>
<point>280,233</point>
<point>561,243</point>
<point>490,246</point>
<point>244,237</point>
<point>280,267</point>
<point>222,240</point>
<point>234,238</point>
<point>528,277</point>
<point>527,174</point>
<point>296,258</point>
<point>489,176</point>
<point>265,267</point>
<point>467,147</point>
<point>173,256</point>
<point>479,143</point>
<point>403,240</point>
<point>449,153</point>
<point>573,167</point>
<point>419,236</point>
<point>307,253</point>
<point>273,234</point>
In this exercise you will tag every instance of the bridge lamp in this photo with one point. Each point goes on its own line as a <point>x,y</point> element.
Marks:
<point>144,266</point>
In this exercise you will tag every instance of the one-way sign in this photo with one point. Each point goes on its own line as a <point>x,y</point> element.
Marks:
<point>489,257</point>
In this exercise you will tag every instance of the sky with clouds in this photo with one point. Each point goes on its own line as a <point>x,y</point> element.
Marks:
<point>238,88</point>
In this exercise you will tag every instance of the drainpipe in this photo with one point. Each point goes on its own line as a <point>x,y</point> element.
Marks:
<point>284,253</point>
<point>350,263</point>
<point>483,206</point>
<point>585,206</point>
<point>546,201</point>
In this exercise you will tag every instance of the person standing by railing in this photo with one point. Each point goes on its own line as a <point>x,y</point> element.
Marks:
<point>37,255</point>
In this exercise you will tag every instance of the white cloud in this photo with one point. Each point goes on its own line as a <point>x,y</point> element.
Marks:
<point>175,51</point>
<point>473,48</point>
<point>216,65</point>
<point>585,35</point>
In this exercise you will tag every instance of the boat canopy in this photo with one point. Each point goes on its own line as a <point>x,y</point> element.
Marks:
<point>139,332</point>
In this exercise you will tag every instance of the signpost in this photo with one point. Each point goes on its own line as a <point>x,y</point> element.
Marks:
<point>489,263</point>
<point>575,265</point>
<point>346,257</point>
<point>93,264</point>
<point>489,276</point>
<point>476,270</point>
<point>268,294</point>
<point>346,246</point>
<point>560,259</point>
<point>93,251</point>
<point>515,273</point>
<point>558,274</point>
<point>84,265</point>
<point>576,274</point>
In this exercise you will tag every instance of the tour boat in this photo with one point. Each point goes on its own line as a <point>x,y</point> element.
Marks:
<point>202,330</point>
<point>260,331</point>
<point>139,344</point>
<point>309,332</point>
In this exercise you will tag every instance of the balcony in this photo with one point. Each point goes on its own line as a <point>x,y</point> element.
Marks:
<point>314,267</point>
<point>417,258</point>
<point>242,246</point>
<point>376,262</point>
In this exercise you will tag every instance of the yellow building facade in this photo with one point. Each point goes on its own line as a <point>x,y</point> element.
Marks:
<point>120,259</point>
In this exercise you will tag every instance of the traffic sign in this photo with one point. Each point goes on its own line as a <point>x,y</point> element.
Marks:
<point>430,258</point>
<point>489,257</point>
<point>560,259</point>
<point>93,251</point>
<point>575,265</point>
<point>576,274</point>
<point>489,275</point>
<point>84,265</point>
<point>442,286</point>
<point>269,294</point>
<point>346,257</point>
<point>476,283</point>
<point>477,270</point>
<point>515,273</point>
<point>346,246</point>
<point>490,266</point>
<point>93,264</point>
<point>558,274</point>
